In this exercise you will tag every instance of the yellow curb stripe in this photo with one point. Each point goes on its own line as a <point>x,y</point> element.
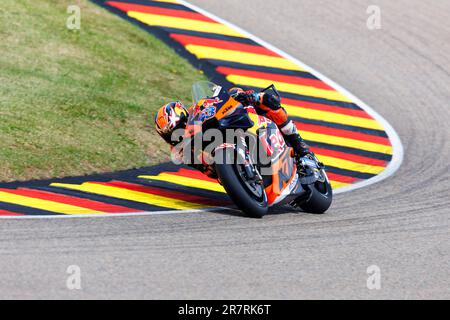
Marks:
<point>183,23</point>
<point>131,195</point>
<point>204,52</point>
<point>350,165</point>
<point>46,205</point>
<point>187,182</point>
<point>346,142</point>
<point>168,1</point>
<point>332,117</point>
<point>288,87</point>
<point>336,185</point>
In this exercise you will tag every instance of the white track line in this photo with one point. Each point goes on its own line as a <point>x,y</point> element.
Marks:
<point>397,147</point>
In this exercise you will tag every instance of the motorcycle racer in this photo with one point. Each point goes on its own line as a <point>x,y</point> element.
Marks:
<point>264,161</point>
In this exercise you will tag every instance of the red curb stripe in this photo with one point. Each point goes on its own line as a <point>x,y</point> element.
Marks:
<point>325,107</point>
<point>70,200</point>
<point>194,174</point>
<point>276,77</point>
<point>159,11</point>
<point>349,157</point>
<point>222,44</point>
<point>165,193</point>
<point>342,133</point>
<point>9,213</point>
<point>340,178</point>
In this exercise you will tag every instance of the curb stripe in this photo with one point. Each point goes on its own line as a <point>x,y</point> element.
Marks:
<point>343,133</point>
<point>166,193</point>
<point>350,165</point>
<point>222,44</point>
<point>208,35</point>
<point>9,213</point>
<point>275,77</point>
<point>25,210</point>
<point>340,178</point>
<point>11,196</point>
<point>288,87</point>
<point>351,151</point>
<point>159,11</point>
<point>262,69</point>
<point>187,182</point>
<point>350,157</point>
<point>332,117</point>
<point>134,206</point>
<point>175,5</point>
<point>79,202</point>
<point>350,173</point>
<point>194,174</point>
<point>174,22</point>
<point>340,126</point>
<point>166,185</point>
<point>205,52</point>
<point>313,138</point>
<point>324,107</point>
<point>301,97</point>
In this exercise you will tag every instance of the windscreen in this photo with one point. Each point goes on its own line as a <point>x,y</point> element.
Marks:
<point>204,90</point>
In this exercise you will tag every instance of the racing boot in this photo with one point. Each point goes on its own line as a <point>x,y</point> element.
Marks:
<point>294,140</point>
<point>301,149</point>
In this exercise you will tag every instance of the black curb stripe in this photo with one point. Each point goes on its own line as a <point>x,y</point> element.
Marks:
<point>347,105</point>
<point>212,36</point>
<point>249,67</point>
<point>349,173</point>
<point>147,3</point>
<point>371,132</point>
<point>348,150</point>
<point>183,189</point>
<point>27,210</point>
<point>105,199</point>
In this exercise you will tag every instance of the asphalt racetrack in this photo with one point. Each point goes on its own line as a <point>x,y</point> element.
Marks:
<point>401,225</point>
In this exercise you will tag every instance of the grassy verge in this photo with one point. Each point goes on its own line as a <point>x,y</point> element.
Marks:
<point>78,102</point>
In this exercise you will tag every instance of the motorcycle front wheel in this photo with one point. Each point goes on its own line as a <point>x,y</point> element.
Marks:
<point>248,195</point>
<point>320,199</point>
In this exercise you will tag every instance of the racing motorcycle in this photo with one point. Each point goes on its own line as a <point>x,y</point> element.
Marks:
<point>255,175</point>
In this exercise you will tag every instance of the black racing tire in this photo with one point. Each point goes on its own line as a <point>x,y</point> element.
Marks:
<point>231,181</point>
<point>321,198</point>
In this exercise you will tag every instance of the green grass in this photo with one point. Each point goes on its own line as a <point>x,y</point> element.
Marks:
<point>82,101</point>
